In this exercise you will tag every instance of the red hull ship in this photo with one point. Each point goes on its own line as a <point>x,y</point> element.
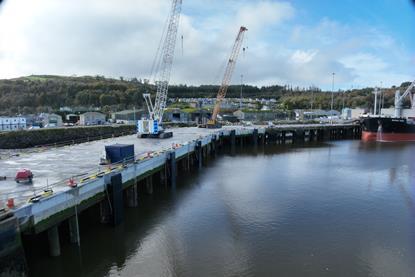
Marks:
<point>387,129</point>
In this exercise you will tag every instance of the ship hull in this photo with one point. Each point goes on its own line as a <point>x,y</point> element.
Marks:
<point>388,137</point>
<point>387,129</point>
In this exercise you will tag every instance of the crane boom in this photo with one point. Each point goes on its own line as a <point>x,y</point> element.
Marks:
<point>164,60</point>
<point>228,72</point>
<point>167,53</point>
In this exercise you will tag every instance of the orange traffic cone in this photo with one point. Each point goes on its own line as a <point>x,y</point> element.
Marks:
<point>10,203</point>
<point>72,183</point>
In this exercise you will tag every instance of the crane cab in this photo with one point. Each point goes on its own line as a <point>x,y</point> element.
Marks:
<point>149,128</point>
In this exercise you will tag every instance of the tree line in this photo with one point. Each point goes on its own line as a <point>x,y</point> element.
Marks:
<point>44,93</point>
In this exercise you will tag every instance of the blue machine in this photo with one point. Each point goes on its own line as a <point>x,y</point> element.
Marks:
<point>119,152</point>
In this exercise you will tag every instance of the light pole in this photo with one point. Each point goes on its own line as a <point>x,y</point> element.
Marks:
<point>332,91</point>
<point>332,98</point>
<point>240,99</point>
<point>382,99</point>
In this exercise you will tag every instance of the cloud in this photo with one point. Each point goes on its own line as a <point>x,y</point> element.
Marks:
<point>303,56</point>
<point>264,15</point>
<point>359,55</point>
<point>112,39</point>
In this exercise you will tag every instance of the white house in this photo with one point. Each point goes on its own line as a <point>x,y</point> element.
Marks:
<point>348,113</point>
<point>12,123</point>
<point>92,118</point>
<point>50,120</point>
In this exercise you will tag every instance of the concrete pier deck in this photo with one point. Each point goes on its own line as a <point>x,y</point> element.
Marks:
<point>53,167</point>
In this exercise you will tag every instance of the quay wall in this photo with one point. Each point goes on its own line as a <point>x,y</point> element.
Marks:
<point>12,257</point>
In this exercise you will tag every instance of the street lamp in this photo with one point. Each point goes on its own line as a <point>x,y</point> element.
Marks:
<point>332,91</point>
<point>382,99</point>
<point>240,99</point>
<point>332,98</point>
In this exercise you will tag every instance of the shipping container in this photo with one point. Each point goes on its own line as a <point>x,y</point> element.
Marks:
<point>119,152</point>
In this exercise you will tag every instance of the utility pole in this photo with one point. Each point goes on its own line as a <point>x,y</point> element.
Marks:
<point>376,92</point>
<point>344,91</point>
<point>332,98</point>
<point>382,98</point>
<point>332,91</point>
<point>240,99</point>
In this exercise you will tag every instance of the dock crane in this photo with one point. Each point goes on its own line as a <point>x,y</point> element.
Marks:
<point>152,126</point>
<point>399,99</point>
<point>213,123</point>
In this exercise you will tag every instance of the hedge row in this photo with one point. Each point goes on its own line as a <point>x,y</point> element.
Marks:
<point>40,137</point>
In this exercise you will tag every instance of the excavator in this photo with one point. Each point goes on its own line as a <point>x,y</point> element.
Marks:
<point>213,122</point>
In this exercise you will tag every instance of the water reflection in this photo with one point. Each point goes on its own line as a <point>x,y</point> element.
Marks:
<point>339,209</point>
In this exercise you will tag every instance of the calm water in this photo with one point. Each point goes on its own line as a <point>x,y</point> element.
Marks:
<point>340,209</point>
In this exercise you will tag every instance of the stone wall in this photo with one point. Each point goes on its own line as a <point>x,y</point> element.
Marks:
<point>60,136</point>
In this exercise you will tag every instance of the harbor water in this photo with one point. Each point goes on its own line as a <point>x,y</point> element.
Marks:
<point>342,208</point>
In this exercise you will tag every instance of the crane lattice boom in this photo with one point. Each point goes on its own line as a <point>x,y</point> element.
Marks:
<point>167,55</point>
<point>228,72</point>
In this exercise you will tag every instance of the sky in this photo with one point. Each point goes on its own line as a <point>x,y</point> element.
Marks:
<point>297,42</point>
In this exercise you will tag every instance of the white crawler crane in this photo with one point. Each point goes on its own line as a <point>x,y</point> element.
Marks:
<point>152,126</point>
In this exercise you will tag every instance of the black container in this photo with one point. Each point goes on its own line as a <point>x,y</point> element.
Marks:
<point>119,152</point>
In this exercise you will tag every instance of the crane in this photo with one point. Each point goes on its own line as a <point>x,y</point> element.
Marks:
<point>212,123</point>
<point>152,127</point>
<point>399,99</point>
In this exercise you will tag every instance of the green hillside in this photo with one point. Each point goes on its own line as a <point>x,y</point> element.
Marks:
<point>42,93</point>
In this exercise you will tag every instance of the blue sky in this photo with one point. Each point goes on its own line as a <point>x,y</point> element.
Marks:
<point>298,42</point>
<point>396,17</point>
